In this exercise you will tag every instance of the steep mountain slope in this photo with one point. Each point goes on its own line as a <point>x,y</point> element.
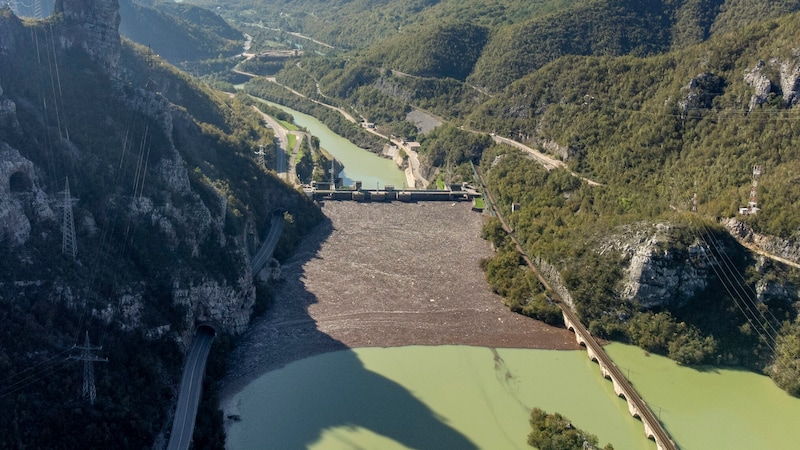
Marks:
<point>665,135</point>
<point>167,201</point>
<point>596,28</point>
<point>445,51</point>
<point>179,32</point>
<point>642,122</point>
<point>735,14</point>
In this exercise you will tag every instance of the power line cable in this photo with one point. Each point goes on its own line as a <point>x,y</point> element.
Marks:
<point>747,292</point>
<point>33,378</point>
<point>736,297</point>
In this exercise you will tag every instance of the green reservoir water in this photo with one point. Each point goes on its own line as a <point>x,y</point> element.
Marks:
<point>713,407</point>
<point>457,397</point>
<point>359,164</point>
<point>448,397</point>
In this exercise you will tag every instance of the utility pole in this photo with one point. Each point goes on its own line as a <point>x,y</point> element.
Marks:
<point>69,245</point>
<point>89,392</point>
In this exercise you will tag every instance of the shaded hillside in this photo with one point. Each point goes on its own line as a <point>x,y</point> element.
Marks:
<point>735,14</point>
<point>446,51</point>
<point>596,28</point>
<point>693,21</point>
<point>179,32</point>
<point>167,204</point>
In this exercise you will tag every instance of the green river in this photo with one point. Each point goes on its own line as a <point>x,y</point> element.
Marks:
<point>456,397</point>
<point>359,165</point>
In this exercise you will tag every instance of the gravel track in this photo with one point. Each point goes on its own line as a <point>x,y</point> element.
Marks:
<point>385,275</point>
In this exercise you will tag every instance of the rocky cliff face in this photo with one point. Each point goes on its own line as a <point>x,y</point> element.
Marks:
<point>785,84</point>
<point>658,272</point>
<point>92,25</point>
<point>177,226</point>
<point>784,248</point>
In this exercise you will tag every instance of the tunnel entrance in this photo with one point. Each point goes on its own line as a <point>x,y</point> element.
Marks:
<point>20,182</point>
<point>207,328</point>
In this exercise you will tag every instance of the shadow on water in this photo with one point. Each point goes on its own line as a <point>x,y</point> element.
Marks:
<point>293,407</point>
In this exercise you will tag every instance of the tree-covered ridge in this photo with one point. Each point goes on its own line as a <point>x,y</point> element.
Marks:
<point>654,131</point>
<point>668,125</point>
<point>445,51</point>
<point>595,28</point>
<point>356,24</point>
<point>735,14</point>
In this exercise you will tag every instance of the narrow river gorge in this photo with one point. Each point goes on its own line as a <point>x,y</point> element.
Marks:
<point>386,335</point>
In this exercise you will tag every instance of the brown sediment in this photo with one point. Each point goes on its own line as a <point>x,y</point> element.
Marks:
<point>386,275</point>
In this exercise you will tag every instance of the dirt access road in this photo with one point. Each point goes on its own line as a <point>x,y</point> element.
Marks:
<point>385,275</point>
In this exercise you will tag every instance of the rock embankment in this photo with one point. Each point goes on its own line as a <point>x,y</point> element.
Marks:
<point>384,275</point>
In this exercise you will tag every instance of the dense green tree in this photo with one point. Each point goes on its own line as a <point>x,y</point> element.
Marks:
<point>555,432</point>
<point>785,370</point>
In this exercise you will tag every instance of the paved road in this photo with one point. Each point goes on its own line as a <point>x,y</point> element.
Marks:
<point>265,252</point>
<point>548,162</point>
<point>283,142</point>
<point>191,387</point>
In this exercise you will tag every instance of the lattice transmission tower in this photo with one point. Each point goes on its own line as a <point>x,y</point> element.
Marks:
<point>752,204</point>
<point>69,246</point>
<point>261,161</point>
<point>89,391</point>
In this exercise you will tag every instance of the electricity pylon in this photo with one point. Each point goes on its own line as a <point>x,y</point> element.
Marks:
<point>753,203</point>
<point>261,154</point>
<point>89,392</point>
<point>69,246</point>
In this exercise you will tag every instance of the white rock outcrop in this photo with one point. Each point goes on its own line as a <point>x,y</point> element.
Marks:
<point>658,272</point>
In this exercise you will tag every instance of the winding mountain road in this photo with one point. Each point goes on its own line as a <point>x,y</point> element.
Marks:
<point>265,252</point>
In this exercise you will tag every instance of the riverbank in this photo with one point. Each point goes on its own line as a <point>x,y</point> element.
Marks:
<point>385,275</point>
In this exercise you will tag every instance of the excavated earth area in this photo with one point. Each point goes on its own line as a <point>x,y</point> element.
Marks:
<point>385,275</point>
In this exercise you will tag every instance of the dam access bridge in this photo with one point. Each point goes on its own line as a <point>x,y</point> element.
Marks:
<point>451,193</point>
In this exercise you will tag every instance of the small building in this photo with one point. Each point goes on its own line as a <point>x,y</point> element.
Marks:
<point>321,185</point>
<point>454,187</point>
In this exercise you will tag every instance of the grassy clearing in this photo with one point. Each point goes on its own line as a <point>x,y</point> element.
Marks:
<point>289,126</point>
